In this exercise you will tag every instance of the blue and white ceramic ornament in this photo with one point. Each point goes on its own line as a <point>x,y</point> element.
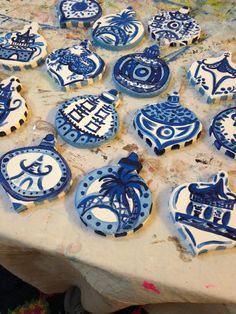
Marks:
<point>88,121</point>
<point>114,200</point>
<point>22,49</point>
<point>13,108</point>
<point>73,13</point>
<point>167,125</point>
<point>174,28</point>
<point>205,214</point>
<point>142,74</point>
<point>118,31</point>
<point>223,131</point>
<point>75,66</point>
<point>215,78</point>
<point>34,174</point>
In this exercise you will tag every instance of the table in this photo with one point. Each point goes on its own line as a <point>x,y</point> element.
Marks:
<point>50,248</point>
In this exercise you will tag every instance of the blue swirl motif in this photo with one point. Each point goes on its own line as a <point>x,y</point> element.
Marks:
<point>88,121</point>
<point>224,121</point>
<point>210,208</point>
<point>173,26</point>
<point>122,28</point>
<point>122,192</point>
<point>79,63</point>
<point>166,124</point>
<point>21,46</point>
<point>215,69</point>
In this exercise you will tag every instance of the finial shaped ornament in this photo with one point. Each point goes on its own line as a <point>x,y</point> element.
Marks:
<point>204,214</point>
<point>34,174</point>
<point>114,200</point>
<point>23,49</point>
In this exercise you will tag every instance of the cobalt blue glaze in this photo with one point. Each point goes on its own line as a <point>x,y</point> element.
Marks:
<point>205,214</point>
<point>75,12</point>
<point>118,31</point>
<point>75,66</point>
<point>114,200</point>
<point>167,125</point>
<point>88,121</point>
<point>142,74</point>
<point>34,174</point>
<point>223,131</point>
<point>174,28</point>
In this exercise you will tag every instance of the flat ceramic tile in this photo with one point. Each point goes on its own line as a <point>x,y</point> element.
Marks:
<point>75,66</point>
<point>204,214</point>
<point>88,121</point>
<point>13,108</point>
<point>174,28</point>
<point>142,74</point>
<point>22,49</point>
<point>118,31</point>
<point>34,174</point>
<point>167,125</point>
<point>73,13</point>
<point>114,200</point>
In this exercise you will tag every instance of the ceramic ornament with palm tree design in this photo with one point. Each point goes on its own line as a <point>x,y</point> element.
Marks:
<point>118,31</point>
<point>114,200</point>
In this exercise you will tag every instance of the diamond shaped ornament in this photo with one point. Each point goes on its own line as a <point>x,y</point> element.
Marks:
<point>24,49</point>
<point>214,78</point>
<point>34,174</point>
<point>114,200</point>
<point>13,108</point>
<point>88,121</point>
<point>73,13</point>
<point>167,125</point>
<point>204,214</point>
<point>75,66</point>
<point>223,132</point>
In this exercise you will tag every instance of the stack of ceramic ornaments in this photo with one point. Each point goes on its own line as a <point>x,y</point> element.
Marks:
<point>115,200</point>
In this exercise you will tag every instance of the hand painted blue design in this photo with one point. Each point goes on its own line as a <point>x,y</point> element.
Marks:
<point>78,11</point>
<point>223,131</point>
<point>28,179</point>
<point>6,97</point>
<point>142,74</point>
<point>80,61</point>
<point>88,121</point>
<point>117,31</point>
<point>210,207</point>
<point>20,46</point>
<point>167,125</point>
<point>122,193</point>
<point>174,27</point>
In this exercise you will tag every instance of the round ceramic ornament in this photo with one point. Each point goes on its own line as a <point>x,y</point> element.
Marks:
<point>114,200</point>
<point>167,125</point>
<point>205,214</point>
<point>223,131</point>
<point>215,78</point>
<point>174,28</point>
<point>142,74</point>
<point>13,108</point>
<point>118,31</point>
<point>22,49</point>
<point>73,13</point>
<point>75,66</point>
<point>34,174</point>
<point>88,121</point>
